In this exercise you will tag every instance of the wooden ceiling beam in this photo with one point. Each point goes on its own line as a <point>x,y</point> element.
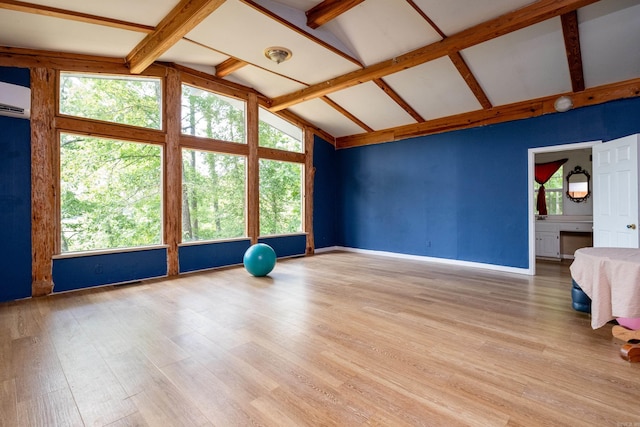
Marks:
<point>55,12</point>
<point>507,23</point>
<point>182,19</point>
<point>426,18</point>
<point>327,10</point>
<point>458,61</point>
<point>471,80</point>
<point>572,45</point>
<point>501,114</point>
<point>398,99</point>
<point>347,114</point>
<point>229,66</point>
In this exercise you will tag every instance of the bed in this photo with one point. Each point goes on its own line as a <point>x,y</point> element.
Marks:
<point>611,278</point>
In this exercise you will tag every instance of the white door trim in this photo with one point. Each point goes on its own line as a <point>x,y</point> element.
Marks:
<point>531,210</point>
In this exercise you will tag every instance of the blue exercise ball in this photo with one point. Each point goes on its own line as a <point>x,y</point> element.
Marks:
<point>259,259</point>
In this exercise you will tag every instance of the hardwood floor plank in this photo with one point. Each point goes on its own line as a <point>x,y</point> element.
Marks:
<point>335,339</point>
<point>36,368</point>
<point>56,408</point>
<point>158,400</point>
<point>134,420</point>
<point>8,400</point>
<point>211,395</point>
<point>98,394</point>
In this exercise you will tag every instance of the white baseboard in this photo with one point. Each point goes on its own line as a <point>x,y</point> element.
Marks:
<point>327,249</point>
<point>453,262</point>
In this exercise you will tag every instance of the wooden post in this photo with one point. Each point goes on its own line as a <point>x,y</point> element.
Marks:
<point>172,171</point>
<point>253,170</point>
<point>309,175</point>
<point>43,180</point>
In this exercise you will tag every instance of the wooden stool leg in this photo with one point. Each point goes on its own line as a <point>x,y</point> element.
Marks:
<point>630,352</point>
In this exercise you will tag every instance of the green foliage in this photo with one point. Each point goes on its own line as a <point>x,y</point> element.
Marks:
<point>110,193</point>
<point>280,197</point>
<point>213,195</point>
<point>274,138</point>
<point>212,116</point>
<point>131,101</point>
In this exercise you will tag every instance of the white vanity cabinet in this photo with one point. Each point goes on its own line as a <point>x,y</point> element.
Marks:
<point>547,240</point>
<point>549,235</point>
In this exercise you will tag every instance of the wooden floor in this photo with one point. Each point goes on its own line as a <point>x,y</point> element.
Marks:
<point>335,339</point>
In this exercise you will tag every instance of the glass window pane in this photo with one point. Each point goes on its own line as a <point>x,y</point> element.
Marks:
<point>210,115</point>
<point>275,132</point>
<point>280,197</point>
<point>135,101</point>
<point>110,193</point>
<point>553,192</point>
<point>213,196</point>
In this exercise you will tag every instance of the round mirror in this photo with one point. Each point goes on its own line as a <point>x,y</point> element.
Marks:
<point>578,185</point>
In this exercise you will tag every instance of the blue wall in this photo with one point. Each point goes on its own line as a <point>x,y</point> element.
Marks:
<point>325,192</point>
<point>460,195</point>
<point>15,198</point>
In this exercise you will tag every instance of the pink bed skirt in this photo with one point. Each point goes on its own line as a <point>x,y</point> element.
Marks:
<point>631,323</point>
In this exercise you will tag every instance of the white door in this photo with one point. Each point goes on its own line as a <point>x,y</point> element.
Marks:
<point>615,193</point>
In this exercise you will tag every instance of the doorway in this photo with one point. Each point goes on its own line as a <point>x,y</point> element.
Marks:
<point>543,152</point>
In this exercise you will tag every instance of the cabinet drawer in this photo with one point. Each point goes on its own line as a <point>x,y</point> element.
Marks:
<point>578,226</point>
<point>546,226</point>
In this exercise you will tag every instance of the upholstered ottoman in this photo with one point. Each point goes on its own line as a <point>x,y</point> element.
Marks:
<point>579,300</point>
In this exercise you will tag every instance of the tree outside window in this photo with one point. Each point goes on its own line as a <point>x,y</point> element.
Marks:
<point>135,101</point>
<point>210,115</point>
<point>110,193</point>
<point>213,195</point>
<point>281,183</point>
<point>110,189</point>
<point>280,197</point>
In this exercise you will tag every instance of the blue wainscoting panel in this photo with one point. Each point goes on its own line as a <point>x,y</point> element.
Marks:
<point>15,198</point>
<point>212,255</point>
<point>103,269</point>
<point>285,246</point>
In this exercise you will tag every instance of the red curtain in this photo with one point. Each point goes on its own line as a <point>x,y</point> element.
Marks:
<point>544,171</point>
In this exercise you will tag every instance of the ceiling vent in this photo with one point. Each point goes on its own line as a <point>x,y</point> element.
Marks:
<point>15,101</point>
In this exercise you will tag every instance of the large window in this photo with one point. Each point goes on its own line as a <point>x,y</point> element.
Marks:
<point>110,193</point>
<point>210,115</point>
<point>281,182</point>
<point>135,101</point>
<point>111,188</point>
<point>554,193</point>
<point>213,195</point>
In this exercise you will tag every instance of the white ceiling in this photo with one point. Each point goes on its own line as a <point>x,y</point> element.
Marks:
<point>526,64</point>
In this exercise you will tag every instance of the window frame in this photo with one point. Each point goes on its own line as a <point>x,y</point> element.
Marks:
<point>59,200</point>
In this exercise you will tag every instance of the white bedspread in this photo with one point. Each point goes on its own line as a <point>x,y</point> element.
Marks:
<point>611,278</point>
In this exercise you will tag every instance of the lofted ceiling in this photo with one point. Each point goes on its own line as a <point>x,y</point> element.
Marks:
<point>364,71</point>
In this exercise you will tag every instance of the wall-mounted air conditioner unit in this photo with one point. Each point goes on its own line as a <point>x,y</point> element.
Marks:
<point>15,101</point>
